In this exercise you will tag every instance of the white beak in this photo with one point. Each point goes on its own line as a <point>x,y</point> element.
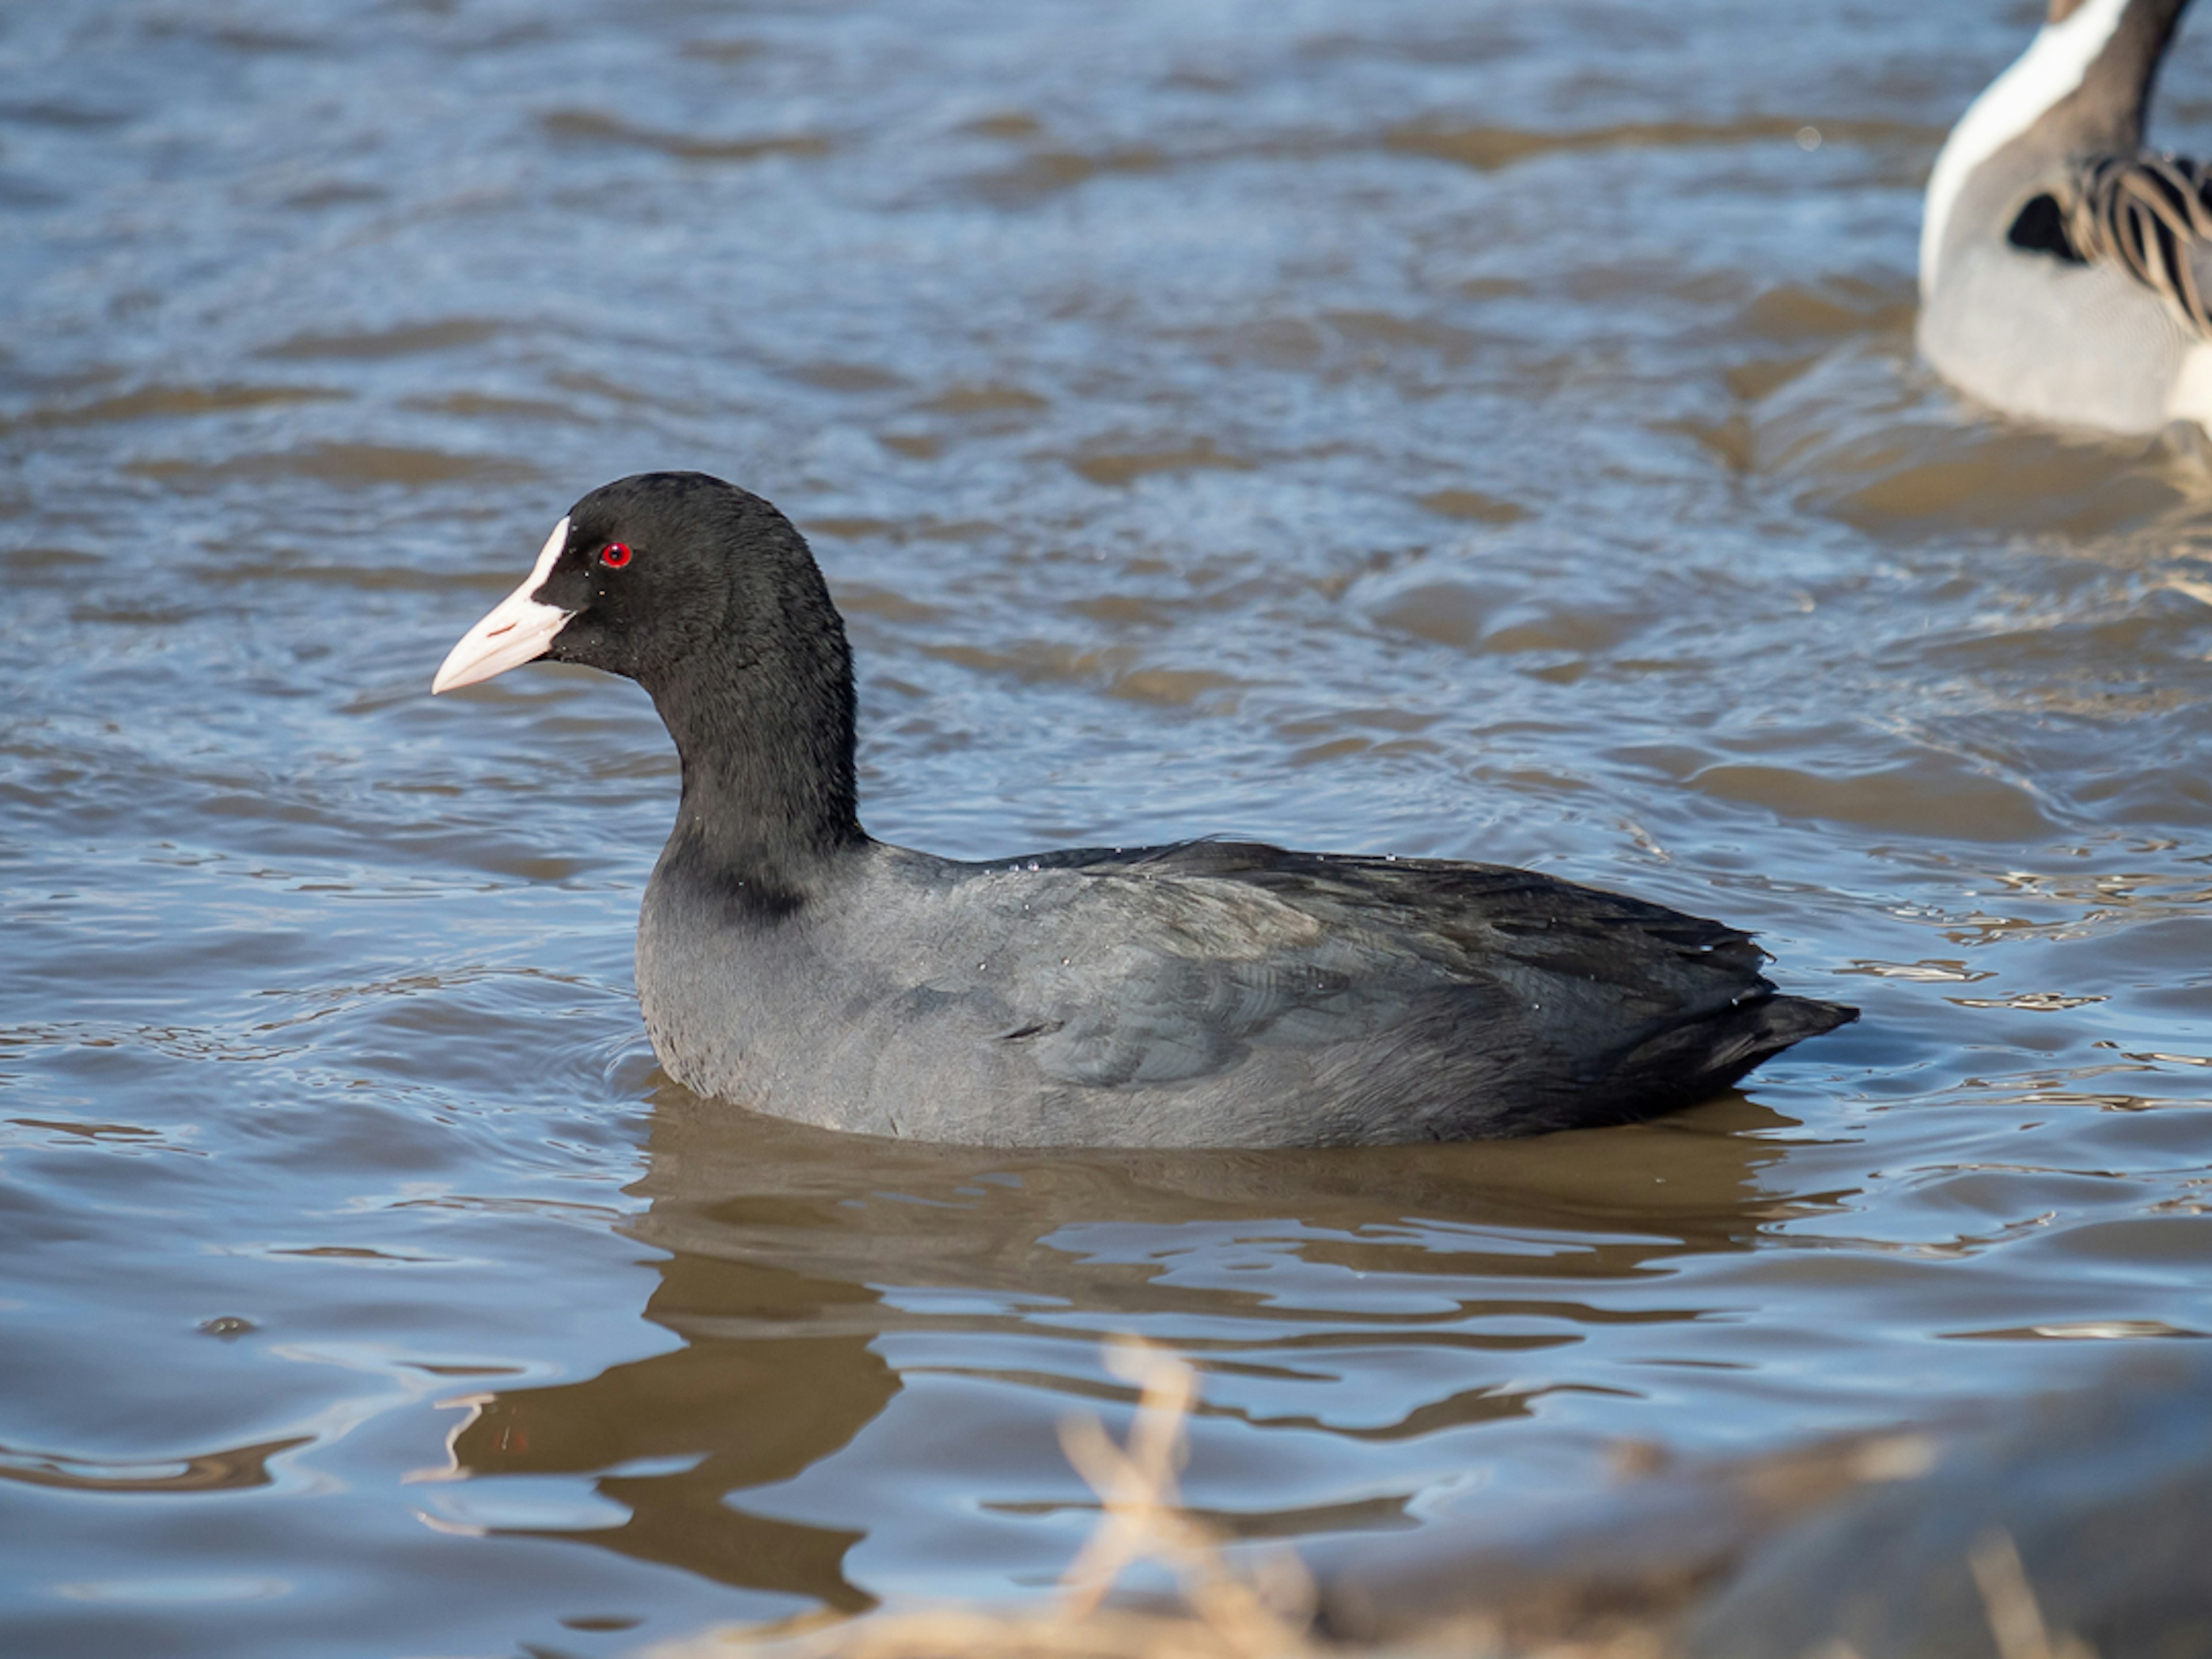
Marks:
<point>518,629</point>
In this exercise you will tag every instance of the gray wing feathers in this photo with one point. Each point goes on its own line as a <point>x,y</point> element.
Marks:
<point>1220,949</point>
<point>1199,971</point>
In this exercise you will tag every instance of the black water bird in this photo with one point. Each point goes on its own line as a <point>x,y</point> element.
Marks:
<point>1205,993</point>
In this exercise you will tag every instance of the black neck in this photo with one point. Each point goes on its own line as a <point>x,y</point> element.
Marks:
<point>764,730</point>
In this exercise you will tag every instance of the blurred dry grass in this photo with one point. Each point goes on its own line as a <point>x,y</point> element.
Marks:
<point>2015,1619</point>
<point>1248,1605</point>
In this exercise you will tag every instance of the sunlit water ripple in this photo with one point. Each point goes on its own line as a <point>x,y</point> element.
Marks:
<point>1466,429</point>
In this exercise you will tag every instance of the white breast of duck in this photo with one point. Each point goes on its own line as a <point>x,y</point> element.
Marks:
<point>2058,261</point>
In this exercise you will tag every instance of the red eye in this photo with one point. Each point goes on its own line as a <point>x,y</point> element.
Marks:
<point>614,555</point>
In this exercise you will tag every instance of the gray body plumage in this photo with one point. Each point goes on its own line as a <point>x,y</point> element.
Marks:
<point>2061,271</point>
<point>1211,993</point>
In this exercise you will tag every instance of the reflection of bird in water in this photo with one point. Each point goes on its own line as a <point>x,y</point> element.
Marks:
<point>732,1411</point>
<point>1206,994</point>
<point>2064,268</point>
<point>792,1278</point>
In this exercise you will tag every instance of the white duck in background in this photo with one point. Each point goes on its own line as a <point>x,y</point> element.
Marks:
<point>2064,268</point>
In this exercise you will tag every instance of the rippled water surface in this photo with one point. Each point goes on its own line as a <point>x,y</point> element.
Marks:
<point>1475,429</point>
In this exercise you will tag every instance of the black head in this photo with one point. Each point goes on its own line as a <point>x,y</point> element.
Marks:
<point>708,597</point>
<point>663,566</point>
<point>645,574</point>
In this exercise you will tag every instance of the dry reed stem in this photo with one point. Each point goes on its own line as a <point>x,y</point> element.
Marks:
<point>1265,1612</point>
<point>2015,1619</point>
<point>1259,1607</point>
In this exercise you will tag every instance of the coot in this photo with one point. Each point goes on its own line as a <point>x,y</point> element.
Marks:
<point>1205,993</point>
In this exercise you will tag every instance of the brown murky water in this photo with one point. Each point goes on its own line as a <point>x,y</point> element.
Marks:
<point>1457,427</point>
